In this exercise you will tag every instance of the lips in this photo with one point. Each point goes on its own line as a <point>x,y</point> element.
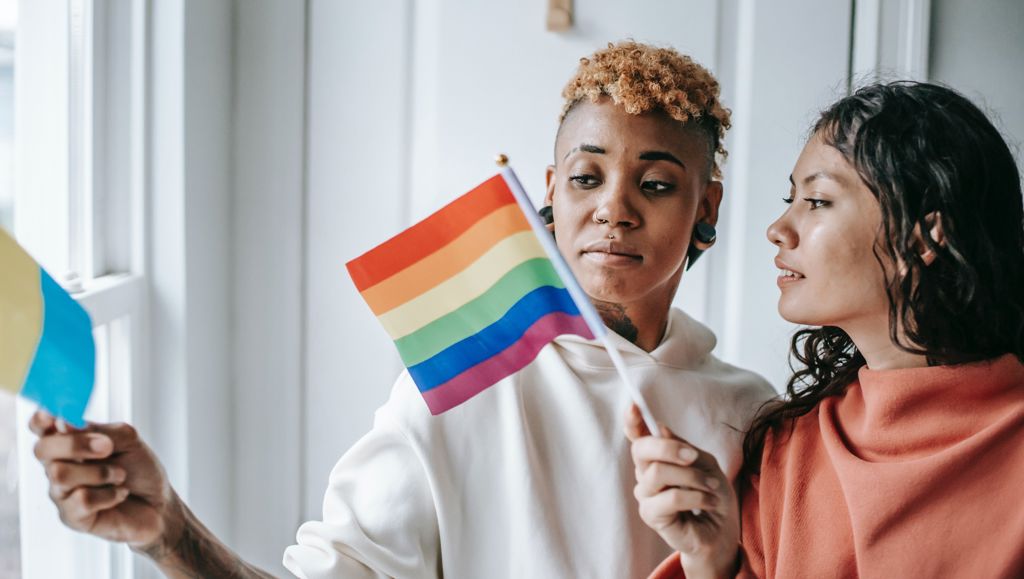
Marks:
<point>611,252</point>
<point>787,273</point>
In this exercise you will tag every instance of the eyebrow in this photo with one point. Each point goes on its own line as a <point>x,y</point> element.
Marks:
<point>586,149</point>
<point>816,176</point>
<point>644,156</point>
<point>661,156</point>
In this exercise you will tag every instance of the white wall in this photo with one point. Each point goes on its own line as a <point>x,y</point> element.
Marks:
<point>978,51</point>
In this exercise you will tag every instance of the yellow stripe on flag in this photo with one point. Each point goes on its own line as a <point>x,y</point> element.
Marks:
<point>21,313</point>
<point>447,261</point>
<point>462,287</point>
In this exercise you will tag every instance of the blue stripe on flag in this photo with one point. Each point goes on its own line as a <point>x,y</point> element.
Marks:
<point>63,371</point>
<point>493,339</point>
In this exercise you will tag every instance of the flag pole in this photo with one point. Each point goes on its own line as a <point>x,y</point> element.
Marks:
<point>586,308</point>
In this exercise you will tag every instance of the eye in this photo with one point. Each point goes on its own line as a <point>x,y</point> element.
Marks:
<point>584,181</point>
<point>817,203</point>
<point>788,200</point>
<point>656,187</point>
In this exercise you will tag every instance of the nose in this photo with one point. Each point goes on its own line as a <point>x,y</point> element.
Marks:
<point>781,232</point>
<point>615,207</point>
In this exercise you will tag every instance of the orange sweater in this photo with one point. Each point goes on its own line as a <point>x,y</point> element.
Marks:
<point>911,473</point>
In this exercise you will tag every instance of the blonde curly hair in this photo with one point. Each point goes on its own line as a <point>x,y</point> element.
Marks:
<point>643,78</point>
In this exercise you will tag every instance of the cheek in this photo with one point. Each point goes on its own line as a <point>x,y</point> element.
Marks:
<point>670,231</point>
<point>845,280</point>
<point>669,247</point>
<point>847,262</point>
<point>571,233</point>
<point>568,223</point>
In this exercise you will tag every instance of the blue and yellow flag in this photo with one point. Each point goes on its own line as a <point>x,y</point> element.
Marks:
<point>47,353</point>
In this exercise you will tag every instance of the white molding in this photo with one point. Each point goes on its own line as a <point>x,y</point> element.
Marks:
<point>109,297</point>
<point>866,36</point>
<point>81,114</point>
<point>268,266</point>
<point>735,204</point>
<point>915,27</point>
<point>189,182</point>
<point>890,39</point>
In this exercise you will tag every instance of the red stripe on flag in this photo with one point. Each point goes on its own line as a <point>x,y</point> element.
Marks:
<point>485,374</point>
<point>429,235</point>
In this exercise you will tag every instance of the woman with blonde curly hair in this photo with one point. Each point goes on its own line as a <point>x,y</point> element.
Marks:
<point>531,478</point>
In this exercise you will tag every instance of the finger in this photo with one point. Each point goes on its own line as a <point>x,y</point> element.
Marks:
<point>123,435</point>
<point>649,449</point>
<point>65,477</point>
<point>661,475</point>
<point>635,425</point>
<point>663,509</point>
<point>73,446</point>
<point>41,423</point>
<point>84,502</point>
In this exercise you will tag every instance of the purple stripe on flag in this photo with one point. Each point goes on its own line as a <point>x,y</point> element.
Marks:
<point>485,374</point>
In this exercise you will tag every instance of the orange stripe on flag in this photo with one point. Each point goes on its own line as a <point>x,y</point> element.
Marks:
<point>447,261</point>
<point>429,235</point>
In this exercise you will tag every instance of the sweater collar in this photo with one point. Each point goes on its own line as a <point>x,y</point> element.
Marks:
<point>914,411</point>
<point>686,344</point>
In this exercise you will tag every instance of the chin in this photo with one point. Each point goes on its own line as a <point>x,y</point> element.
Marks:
<point>609,292</point>
<point>801,315</point>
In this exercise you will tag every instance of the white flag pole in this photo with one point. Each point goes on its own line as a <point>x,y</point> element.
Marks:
<point>586,308</point>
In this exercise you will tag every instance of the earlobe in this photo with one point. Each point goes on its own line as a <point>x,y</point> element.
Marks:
<point>928,257</point>
<point>934,223</point>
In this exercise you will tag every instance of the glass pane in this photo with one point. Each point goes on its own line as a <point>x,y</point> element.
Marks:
<point>10,541</point>
<point>8,16</point>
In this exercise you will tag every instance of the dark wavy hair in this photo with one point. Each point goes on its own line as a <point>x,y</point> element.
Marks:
<point>927,154</point>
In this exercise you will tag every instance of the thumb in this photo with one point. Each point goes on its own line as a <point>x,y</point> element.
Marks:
<point>635,427</point>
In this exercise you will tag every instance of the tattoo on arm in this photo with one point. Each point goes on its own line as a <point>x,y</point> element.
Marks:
<point>197,553</point>
<point>614,316</point>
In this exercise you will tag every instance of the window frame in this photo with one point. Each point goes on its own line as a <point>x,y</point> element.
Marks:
<point>80,210</point>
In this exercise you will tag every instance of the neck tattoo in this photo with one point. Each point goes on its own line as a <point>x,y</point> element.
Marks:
<point>614,316</point>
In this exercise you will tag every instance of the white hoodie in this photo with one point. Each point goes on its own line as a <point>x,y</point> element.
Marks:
<point>531,478</point>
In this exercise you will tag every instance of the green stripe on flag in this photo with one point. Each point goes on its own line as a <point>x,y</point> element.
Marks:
<point>478,313</point>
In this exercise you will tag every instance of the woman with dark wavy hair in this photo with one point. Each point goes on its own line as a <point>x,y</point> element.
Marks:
<point>898,449</point>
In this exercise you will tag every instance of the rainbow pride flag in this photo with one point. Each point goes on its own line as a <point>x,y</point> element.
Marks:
<point>469,294</point>
<point>47,353</point>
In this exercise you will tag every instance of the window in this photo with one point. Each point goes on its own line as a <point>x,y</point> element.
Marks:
<point>78,208</point>
<point>10,544</point>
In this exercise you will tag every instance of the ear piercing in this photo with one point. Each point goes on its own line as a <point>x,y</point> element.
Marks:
<point>704,234</point>
<point>547,214</point>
